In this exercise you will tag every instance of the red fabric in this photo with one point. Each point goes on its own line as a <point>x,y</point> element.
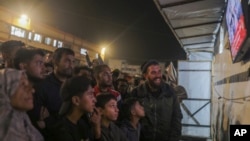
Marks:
<point>114,92</point>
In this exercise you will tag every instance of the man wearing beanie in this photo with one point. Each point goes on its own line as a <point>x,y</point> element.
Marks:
<point>163,116</point>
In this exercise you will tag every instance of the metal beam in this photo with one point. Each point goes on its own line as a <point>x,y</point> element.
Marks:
<point>199,35</point>
<point>196,43</point>
<point>178,3</point>
<point>200,108</point>
<point>198,48</point>
<point>194,125</point>
<point>199,24</point>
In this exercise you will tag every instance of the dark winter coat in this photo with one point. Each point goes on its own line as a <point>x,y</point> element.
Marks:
<point>163,116</point>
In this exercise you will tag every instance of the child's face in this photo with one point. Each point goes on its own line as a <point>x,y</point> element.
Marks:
<point>110,110</point>
<point>87,100</point>
<point>138,110</point>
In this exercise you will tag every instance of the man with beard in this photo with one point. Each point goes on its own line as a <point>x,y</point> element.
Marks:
<point>47,108</point>
<point>163,115</point>
<point>103,76</point>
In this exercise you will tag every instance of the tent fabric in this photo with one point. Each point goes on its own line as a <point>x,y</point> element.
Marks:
<point>195,23</point>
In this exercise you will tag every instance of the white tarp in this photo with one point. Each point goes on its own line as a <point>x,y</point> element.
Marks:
<point>195,77</point>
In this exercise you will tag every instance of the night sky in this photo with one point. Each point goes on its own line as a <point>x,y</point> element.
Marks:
<point>133,29</point>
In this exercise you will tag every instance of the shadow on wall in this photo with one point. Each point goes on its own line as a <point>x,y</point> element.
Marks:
<point>223,121</point>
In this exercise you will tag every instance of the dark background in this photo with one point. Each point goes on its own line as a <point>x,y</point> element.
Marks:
<point>132,29</point>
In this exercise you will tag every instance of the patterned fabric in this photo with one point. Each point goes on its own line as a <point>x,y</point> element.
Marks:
<point>15,125</point>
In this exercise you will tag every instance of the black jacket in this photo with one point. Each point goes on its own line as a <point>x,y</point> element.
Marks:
<point>162,121</point>
<point>113,133</point>
<point>65,130</point>
<point>47,94</point>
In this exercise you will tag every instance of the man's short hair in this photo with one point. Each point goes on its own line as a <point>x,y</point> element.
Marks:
<point>98,69</point>
<point>121,80</point>
<point>127,106</point>
<point>74,86</point>
<point>58,53</point>
<point>8,46</point>
<point>145,65</point>
<point>24,55</point>
<point>78,69</point>
<point>49,65</point>
<point>116,73</point>
<point>103,98</point>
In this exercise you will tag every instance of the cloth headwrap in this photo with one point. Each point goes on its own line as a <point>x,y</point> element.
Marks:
<point>15,125</point>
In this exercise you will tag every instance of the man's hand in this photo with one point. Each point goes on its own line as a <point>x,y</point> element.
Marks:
<point>96,121</point>
<point>44,113</point>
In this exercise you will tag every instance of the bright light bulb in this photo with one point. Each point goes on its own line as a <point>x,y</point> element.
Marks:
<point>103,51</point>
<point>24,20</point>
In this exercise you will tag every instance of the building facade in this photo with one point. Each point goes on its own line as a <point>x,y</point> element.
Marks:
<point>34,34</point>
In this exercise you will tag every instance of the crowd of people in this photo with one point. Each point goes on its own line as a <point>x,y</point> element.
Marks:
<point>50,98</point>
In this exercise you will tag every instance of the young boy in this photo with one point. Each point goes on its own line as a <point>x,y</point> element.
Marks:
<point>132,113</point>
<point>78,99</point>
<point>107,105</point>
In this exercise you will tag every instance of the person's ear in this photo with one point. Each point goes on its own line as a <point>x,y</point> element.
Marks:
<point>22,66</point>
<point>99,76</point>
<point>100,110</point>
<point>75,100</point>
<point>55,62</point>
<point>4,55</point>
<point>133,112</point>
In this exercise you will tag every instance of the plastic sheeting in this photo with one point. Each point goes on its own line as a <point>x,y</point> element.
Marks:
<point>195,76</point>
<point>171,76</point>
<point>194,23</point>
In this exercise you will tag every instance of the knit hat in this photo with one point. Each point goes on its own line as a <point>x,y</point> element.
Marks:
<point>148,63</point>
